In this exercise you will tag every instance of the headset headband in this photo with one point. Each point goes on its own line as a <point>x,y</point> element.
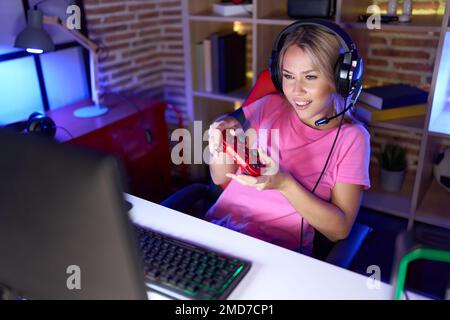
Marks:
<point>348,69</point>
<point>343,37</point>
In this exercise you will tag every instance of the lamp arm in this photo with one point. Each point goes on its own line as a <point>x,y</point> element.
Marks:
<point>92,47</point>
<point>79,37</point>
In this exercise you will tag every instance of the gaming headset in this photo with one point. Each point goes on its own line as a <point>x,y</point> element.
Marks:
<point>37,123</point>
<point>348,69</point>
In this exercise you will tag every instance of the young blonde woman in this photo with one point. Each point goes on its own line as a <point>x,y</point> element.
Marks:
<point>286,207</point>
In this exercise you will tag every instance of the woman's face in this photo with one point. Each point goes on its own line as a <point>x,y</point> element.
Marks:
<point>306,89</point>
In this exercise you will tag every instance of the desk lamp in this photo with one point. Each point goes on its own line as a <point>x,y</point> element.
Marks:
<point>36,40</point>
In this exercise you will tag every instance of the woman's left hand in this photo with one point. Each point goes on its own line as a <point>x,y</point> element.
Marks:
<point>272,177</point>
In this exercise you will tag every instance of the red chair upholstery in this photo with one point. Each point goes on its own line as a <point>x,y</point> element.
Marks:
<point>263,86</point>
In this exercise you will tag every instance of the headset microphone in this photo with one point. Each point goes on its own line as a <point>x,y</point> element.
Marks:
<point>325,120</point>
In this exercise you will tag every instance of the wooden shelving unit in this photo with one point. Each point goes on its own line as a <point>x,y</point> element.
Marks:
<point>421,199</point>
<point>398,204</point>
<point>434,209</point>
<point>211,17</point>
<point>418,24</point>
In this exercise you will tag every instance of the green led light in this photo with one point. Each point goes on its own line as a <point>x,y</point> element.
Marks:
<point>189,292</point>
<point>232,277</point>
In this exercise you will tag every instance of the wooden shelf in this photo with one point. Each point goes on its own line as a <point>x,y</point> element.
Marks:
<point>435,206</point>
<point>394,204</point>
<point>439,135</point>
<point>398,204</point>
<point>211,17</point>
<point>236,95</point>
<point>275,21</point>
<point>411,124</point>
<point>422,23</point>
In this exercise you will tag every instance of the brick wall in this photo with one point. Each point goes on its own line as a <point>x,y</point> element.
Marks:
<point>406,57</point>
<point>144,48</point>
<point>409,140</point>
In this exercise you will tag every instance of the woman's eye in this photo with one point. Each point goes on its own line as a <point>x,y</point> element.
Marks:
<point>288,76</point>
<point>311,77</point>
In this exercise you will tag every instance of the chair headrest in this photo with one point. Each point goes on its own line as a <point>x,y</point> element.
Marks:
<point>263,86</point>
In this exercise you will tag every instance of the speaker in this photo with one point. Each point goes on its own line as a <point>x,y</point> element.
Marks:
<point>311,8</point>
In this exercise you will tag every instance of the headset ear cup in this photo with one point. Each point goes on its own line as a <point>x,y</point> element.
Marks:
<point>342,77</point>
<point>274,74</point>
<point>337,74</point>
<point>34,115</point>
<point>33,121</point>
<point>42,125</point>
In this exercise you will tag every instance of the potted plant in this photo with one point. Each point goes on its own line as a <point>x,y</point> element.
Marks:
<point>392,167</point>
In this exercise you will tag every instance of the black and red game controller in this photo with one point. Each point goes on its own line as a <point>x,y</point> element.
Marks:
<point>237,147</point>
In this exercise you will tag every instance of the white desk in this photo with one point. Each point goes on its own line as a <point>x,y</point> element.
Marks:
<point>276,273</point>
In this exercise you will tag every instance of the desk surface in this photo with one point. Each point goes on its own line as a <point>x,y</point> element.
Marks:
<point>119,108</point>
<point>276,273</point>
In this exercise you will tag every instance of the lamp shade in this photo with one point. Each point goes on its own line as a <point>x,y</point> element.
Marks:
<point>34,38</point>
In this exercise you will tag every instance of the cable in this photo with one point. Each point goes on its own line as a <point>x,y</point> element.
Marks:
<point>130,103</point>
<point>321,174</point>
<point>184,171</point>
<point>406,295</point>
<point>67,131</point>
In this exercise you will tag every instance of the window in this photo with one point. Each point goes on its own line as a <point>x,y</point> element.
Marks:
<point>30,83</point>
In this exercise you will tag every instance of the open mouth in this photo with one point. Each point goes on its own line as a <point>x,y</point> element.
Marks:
<point>302,104</point>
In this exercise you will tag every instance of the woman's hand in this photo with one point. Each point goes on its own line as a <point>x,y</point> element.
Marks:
<point>215,134</point>
<point>272,177</point>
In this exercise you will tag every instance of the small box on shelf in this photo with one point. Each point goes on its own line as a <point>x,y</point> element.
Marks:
<point>227,9</point>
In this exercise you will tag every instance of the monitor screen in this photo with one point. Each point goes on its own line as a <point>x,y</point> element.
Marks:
<point>64,231</point>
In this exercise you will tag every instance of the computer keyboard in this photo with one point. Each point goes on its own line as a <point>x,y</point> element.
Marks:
<point>182,270</point>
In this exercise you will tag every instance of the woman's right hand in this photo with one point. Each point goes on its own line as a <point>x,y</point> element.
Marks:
<point>215,133</point>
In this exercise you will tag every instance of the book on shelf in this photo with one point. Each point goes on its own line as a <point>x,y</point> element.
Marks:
<point>221,62</point>
<point>369,114</point>
<point>392,96</point>
<point>207,65</point>
<point>199,65</point>
<point>231,9</point>
<point>232,58</point>
<point>214,37</point>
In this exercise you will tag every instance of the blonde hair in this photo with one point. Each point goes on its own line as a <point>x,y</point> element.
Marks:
<point>323,49</point>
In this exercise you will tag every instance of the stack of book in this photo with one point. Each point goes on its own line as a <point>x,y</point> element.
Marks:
<point>220,62</point>
<point>389,102</point>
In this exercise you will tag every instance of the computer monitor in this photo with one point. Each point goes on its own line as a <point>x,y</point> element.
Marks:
<point>64,230</point>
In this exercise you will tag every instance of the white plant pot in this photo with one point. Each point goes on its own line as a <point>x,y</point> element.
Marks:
<point>391,181</point>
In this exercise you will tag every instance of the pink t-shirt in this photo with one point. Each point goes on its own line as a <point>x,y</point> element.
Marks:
<point>303,151</point>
